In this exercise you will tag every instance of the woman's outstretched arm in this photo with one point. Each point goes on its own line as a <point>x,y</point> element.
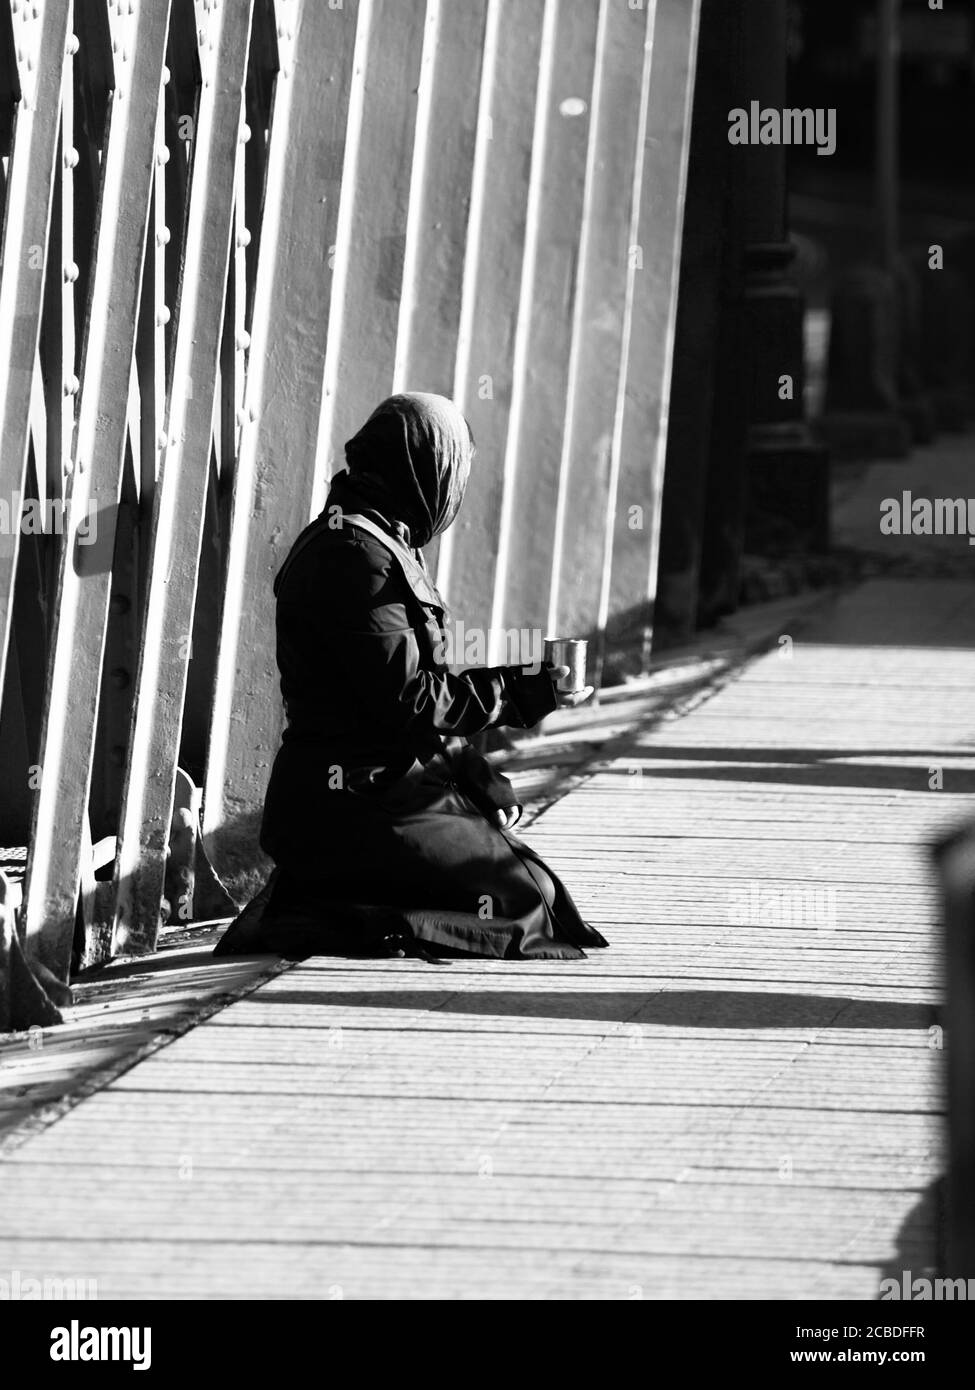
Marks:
<point>361,609</point>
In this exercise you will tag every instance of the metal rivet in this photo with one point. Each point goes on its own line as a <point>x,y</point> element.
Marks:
<point>162,156</point>
<point>70,272</point>
<point>243,237</point>
<point>71,385</point>
<point>243,341</point>
<point>163,316</point>
<point>160,440</point>
<point>71,158</point>
<point>166,74</point>
<point>74,43</point>
<point>163,236</point>
<point>245,133</point>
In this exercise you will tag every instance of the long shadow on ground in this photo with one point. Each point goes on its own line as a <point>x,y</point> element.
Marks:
<point>682,1008</point>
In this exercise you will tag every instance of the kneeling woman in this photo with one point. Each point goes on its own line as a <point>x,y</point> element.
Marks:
<point>389,832</point>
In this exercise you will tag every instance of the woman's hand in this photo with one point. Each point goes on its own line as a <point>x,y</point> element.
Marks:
<point>567,699</point>
<point>508,816</point>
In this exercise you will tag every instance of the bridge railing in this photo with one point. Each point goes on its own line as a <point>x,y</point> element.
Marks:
<point>230,229</point>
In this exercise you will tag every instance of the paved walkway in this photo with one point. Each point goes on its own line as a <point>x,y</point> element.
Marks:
<point>740,1099</point>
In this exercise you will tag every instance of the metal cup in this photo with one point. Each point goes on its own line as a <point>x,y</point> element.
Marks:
<point>571,652</point>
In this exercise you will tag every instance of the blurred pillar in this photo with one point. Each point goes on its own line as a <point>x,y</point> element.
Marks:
<point>862,418</point>
<point>874,404</point>
<point>946,363</point>
<point>915,407</point>
<point>696,359</point>
<point>887,129</point>
<point>767,480</point>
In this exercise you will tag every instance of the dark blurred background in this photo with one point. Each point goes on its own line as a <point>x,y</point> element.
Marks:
<point>826,311</point>
<point>833,212</point>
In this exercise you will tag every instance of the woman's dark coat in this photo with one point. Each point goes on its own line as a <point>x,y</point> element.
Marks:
<point>379,815</point>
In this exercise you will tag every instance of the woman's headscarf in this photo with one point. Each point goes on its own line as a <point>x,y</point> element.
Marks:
<point>411,461</point>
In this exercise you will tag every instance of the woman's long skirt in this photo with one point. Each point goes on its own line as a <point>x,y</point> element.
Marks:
<point>360,875</point>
